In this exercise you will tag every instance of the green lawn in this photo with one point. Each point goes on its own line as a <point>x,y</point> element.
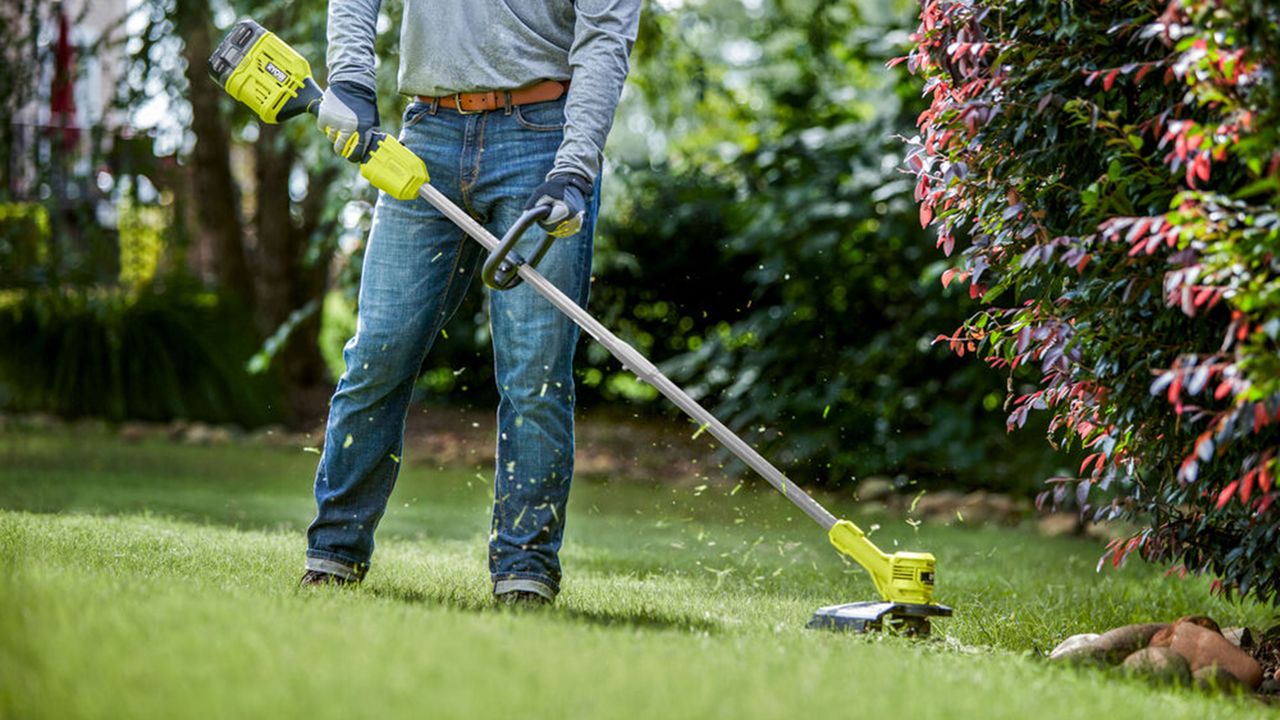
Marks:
<point>158,581</point>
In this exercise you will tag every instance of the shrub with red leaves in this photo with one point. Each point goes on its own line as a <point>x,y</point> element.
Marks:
<point>1113,173</point>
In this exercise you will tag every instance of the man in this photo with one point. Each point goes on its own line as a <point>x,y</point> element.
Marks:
<point>514,100</point>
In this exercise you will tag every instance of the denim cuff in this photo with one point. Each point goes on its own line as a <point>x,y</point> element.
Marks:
<point>516,582</point>
<point>346,571</point>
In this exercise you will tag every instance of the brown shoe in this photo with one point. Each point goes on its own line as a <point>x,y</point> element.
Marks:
<point>313,578</point>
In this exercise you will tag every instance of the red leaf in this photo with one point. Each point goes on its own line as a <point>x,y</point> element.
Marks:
<point>1223,389</point>
<point>1086,462</point>
<point>1142,71</point>
<point>1264,476</point>
<point>1225,496</point>
<point>947,276</point>
<point>1266,503</point>
<point>1246,487</point>
<point>1203,295</point>
<point>1109,80</point>
<point>926,214</point>
<point>896,61</point>
<point>1139,230</point>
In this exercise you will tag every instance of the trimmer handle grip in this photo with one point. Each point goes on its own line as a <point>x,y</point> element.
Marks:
<point>393,168</point>
<point>502,269</point>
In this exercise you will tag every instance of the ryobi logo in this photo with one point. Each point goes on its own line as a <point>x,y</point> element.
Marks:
<point>277,73</point>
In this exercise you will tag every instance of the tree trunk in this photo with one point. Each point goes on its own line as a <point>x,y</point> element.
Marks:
<point>217,206</point>
<point>287,282</point>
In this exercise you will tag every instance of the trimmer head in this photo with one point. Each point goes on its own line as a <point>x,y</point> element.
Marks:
<point>907,618</point>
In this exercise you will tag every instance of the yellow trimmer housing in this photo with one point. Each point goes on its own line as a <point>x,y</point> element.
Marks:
<point>903,577</point>
<point>904,580</point>
<point>274,81</point>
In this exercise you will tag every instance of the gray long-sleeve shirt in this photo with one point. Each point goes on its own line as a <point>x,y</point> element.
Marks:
<point>449,46</point>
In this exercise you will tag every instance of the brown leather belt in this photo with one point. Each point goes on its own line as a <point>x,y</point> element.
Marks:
<point>477,102</point>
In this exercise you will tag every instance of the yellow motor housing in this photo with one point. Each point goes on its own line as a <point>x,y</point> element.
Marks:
<point>265,73</point>
<point>903,577</point>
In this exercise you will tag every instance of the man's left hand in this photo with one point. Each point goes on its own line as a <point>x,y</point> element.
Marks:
<point>566,194</point>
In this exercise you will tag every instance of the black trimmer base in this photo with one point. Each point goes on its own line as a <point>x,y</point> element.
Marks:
<point>864,617</point>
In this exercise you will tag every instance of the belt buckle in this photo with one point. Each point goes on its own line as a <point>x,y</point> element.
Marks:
<point>457,105</point>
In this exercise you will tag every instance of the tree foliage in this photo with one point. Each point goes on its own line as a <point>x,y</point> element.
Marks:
<point>1113,169</point>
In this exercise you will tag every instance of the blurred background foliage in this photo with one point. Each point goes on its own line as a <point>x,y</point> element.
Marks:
<point>758,240</point>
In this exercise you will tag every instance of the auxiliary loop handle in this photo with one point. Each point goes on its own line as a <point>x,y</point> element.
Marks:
<point>502,269</point>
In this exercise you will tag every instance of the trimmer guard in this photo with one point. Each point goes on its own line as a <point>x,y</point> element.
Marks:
<point>868,616</point>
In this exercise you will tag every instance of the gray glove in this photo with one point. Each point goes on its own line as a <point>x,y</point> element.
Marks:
<point>348,112</point>
<point>566,194</point>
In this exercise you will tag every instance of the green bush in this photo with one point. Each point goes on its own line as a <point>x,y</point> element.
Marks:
<point>24,243</point>
<point>1113,168</point>
<point>157,355</point>
<point>784,278</point>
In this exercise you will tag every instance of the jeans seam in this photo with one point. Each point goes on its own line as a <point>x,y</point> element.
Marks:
<point>438,324</point>
<point>467,185</point>
<point>475,172</point>
<point>475,123</point>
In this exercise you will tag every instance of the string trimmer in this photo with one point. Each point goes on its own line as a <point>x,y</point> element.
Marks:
<point>272,79</point>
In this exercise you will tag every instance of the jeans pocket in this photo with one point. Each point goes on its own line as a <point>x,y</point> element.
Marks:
<point>540,117</point>
<point>415,112</point>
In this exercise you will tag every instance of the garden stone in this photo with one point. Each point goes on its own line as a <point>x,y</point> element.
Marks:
<point>875,489</point>
<point>980,507</point>
<point>1163,638</point>
<point>1059,524</point>
<point>197,433</point>
<point>276,435</point>
<point>1108,530</point>
<point>1201,620</point>
<point>940,505</point>
<point>178,429</point>
<point>221,435</point>
<point>41,422</point>
<point>135,432</point>
<point>1161,664</point>
<point>1241,637</point>
<point>1270,686</point>
<point>1203,647</point>
<point>1077,647</point>
<point>1118,643</point>
<point>1216,677</point>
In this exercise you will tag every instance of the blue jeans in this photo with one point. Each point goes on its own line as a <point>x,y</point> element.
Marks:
<point>417,267</point>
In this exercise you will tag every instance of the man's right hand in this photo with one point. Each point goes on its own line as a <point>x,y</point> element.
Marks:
<point>348,112</point>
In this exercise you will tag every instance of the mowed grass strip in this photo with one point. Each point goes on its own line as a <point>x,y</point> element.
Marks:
<point>159,581</point>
